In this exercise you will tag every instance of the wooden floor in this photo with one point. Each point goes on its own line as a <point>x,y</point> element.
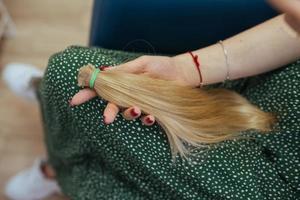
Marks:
<point>43,28</point>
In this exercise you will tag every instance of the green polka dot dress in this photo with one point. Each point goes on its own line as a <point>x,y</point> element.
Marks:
<point>127,160</point>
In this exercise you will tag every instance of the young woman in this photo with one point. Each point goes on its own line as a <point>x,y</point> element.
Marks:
<point>95,156</point>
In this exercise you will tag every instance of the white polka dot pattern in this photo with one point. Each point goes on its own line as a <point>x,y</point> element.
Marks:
<point>127,160</point>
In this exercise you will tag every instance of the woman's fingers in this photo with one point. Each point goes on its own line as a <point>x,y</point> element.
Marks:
<point>132,113</point>
<point>111,110</point>
<point>148,120</point>
<point>110,113</point>
<point>85,94</point>
<point>82,96</point>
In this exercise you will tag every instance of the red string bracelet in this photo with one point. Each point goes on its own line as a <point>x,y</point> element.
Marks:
<point>196,61</point>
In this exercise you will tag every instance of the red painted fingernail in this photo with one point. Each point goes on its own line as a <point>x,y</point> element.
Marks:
<point>149,121</point>
<point>133,113</point>
<point>102,68</point>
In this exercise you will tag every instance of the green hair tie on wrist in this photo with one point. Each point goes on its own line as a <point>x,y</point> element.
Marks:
<point>94,77</point>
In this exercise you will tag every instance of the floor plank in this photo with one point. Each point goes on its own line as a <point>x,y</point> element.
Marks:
<point>43,28</point>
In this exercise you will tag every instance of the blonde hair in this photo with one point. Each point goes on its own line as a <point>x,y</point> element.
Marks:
<point>188,115</point>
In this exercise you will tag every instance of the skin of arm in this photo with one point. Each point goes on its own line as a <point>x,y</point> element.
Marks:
<point>260,49</point>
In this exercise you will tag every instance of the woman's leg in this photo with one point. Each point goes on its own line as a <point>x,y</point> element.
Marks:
<point>279,92</point>
<point>23,80</point>
<point>126,160</point>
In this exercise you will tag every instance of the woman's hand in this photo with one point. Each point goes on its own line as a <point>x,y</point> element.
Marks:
<point>292,9</point>
<point>179,68</point>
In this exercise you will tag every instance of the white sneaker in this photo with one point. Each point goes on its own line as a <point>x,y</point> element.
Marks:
<point>18,78</point>
<point>31,184</point>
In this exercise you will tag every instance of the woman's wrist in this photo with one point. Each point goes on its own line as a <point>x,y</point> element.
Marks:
<point>212,61</point>
<point>187,68</point>
<point>214,64</point>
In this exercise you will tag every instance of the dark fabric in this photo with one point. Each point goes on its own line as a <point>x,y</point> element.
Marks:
<point>172,26</point>
<point>127,160</point>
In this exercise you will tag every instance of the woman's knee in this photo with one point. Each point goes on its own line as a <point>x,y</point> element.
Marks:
<point>62,68</point>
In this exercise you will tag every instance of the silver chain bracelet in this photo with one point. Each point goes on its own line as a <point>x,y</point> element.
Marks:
<point>226,59</point>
